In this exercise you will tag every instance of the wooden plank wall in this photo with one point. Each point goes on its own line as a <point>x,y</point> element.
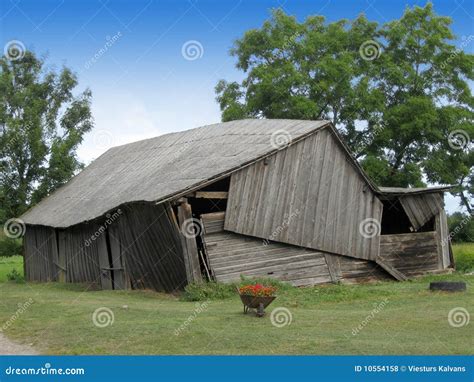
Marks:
<point>62,255</point>
<point>40,254</point>
<point>232,255</point>
<point>308,195</point>
<point>356,271</point>
<point>412,254</point>
<point>150,243</point>
<point>82,260</point>
<point>444,242</point>
<point>421,208</point>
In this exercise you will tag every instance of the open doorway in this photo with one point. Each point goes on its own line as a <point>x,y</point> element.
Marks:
<point>209,199</point>
<point>395,220</point>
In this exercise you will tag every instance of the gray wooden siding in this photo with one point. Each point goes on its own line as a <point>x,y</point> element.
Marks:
<point>355,271</point>
<point>308,195</point>
<point>40,254</point>
<point>444,243</point>
<point>81,259</point>
<point>143,250</point>
<point>63,255</point>
<point>232,255</point>
<point>150,244</point>
<point>421,208</point>
<point>412,253</point>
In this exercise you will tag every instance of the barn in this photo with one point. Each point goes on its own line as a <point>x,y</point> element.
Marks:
<point>273,198</point>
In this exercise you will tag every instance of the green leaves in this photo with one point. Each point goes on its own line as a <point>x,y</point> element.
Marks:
<point>395,91</point>
<point>42,124</point>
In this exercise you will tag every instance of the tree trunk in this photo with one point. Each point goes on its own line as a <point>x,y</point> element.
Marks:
<point>465,202</point>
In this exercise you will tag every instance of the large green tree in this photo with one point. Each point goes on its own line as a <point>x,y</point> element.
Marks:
<point>398,92</point>
<point>42,124</point>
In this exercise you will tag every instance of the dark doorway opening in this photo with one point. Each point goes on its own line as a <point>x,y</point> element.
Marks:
<point>395,220</point>
<point>207,200</point>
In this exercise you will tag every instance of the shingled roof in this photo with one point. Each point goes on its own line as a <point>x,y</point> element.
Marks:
<point>159,168</point>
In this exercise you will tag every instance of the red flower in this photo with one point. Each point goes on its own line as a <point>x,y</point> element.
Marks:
<point>257,290</point>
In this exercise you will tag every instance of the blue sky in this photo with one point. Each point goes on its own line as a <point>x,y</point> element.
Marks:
<point>142,84</point>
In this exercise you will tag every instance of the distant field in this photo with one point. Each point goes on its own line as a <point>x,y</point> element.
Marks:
<point>464,256</point>
<point>7,264</point>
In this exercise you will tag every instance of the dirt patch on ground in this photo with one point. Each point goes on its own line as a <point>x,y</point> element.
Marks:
<point>8,347</point>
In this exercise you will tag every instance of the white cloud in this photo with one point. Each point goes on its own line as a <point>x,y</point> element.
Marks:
<point>118,120</point>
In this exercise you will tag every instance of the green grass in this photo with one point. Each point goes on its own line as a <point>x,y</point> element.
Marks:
<point>413,321</point>
<point>464,256</point>
<point>410,319</point>
<point>7,264</point>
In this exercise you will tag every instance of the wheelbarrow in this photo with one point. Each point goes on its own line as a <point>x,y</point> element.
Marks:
<point>256,302</point>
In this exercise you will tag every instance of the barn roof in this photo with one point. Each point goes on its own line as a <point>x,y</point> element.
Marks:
<point>160,168</point>
<point>414,190</point>
<point>170,165</point>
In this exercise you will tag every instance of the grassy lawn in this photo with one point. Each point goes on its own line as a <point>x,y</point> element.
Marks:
<point>383,318</point>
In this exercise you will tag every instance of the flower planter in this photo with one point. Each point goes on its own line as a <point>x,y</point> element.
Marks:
<point>256,297</point>
<point>256,302</point>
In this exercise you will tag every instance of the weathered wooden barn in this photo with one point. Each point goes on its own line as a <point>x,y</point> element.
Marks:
<point>273,198</point>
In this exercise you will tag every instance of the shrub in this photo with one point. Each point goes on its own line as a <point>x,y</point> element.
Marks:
<point>208,291</point>
<point>10,247</point>
<point>16,276</point>
<point>217,291</point>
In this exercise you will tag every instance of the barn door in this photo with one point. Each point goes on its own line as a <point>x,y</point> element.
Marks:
<point>120,279</point>
<point>104,263</point>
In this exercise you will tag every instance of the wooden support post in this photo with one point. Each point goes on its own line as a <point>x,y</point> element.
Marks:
<point>334,267</point>
<point>190,251</point>
<point>391,270</point>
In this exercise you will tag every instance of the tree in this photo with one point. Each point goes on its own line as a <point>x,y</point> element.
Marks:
<point>427,107</point>
<point>461,227</point>
<point>302,71</point>
<point>397,92</point>
<point>41,126</point>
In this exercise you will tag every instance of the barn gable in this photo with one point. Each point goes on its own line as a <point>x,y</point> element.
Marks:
<point>310,195</point>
